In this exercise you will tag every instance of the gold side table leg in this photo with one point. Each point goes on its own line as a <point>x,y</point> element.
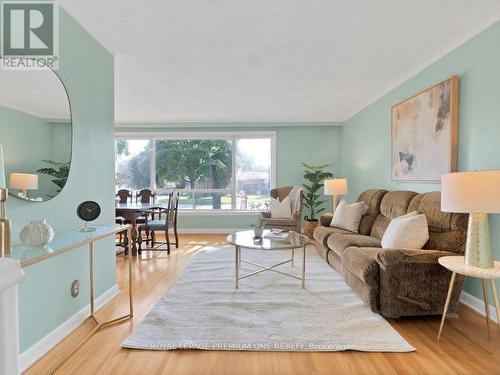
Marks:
<point>447,303</point>
<point>486,306</point>
<point>293,256</point>
<point>304,267</point>
<point>495,296</point>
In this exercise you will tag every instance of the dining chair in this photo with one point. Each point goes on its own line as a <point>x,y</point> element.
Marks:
<point>124,196</point>
<point>167,220</point>
<point>145,196</point>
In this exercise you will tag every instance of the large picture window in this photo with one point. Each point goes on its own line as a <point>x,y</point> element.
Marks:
<point>211,172</point>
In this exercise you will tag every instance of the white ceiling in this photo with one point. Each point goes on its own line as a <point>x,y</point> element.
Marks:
<point>37,92</point>
<point>269,60</point>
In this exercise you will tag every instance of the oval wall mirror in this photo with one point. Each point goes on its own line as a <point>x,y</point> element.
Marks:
<point>35,132</point>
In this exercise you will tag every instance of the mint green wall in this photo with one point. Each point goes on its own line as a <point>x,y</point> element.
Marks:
<point>87,71</point>
<point>367,135</point>
<point>294,143</point>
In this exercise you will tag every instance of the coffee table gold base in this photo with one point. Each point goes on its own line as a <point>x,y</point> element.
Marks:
<point>92,316</point>
<point>264,268</point>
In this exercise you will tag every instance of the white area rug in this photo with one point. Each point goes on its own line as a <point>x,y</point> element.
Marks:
<point>270,312</point>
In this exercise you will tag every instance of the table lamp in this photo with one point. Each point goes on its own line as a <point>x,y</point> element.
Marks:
<point>23,182</point>
<point>335,187</point>
<point>476,193</point>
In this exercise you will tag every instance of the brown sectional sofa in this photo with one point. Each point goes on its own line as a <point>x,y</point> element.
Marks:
<point>396,282</point>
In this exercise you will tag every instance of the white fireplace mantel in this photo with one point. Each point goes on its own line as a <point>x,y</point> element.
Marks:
<point>11,274</point>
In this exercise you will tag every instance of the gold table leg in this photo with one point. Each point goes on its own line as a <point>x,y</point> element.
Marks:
<point>293,256</point>
<point>495,296</point>
<point>486,307</point>
<point>92,306</point>
<point>447,303</point>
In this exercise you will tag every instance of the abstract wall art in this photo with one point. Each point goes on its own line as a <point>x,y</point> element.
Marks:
<point>424,134</point>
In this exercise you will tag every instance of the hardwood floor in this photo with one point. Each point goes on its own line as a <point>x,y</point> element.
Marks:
<point>464,347</point>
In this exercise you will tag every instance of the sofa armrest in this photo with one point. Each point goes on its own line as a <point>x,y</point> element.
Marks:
<point>391,257</point>
<point>325,220</point>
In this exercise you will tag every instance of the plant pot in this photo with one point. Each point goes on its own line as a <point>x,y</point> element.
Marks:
<point>309,227</point>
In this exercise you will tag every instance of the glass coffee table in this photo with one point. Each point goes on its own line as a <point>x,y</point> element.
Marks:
<point>245,239</point>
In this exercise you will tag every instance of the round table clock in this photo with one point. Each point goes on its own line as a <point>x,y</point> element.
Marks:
<point>88,211</point>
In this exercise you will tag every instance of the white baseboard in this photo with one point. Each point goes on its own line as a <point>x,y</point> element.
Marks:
<point>38,350</point>
<point>477,305</point>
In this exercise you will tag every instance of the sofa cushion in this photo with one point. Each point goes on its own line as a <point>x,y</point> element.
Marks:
<point>338,242</point>
<point>372,199</point>
<point>322,233</point>
<point>394,257</point>
<point>394,204</point>
<point>362,262</point>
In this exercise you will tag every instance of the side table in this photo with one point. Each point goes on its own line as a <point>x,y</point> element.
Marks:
<point>456,264</point>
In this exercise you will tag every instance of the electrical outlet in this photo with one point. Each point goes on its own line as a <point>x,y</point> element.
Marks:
<point>75,288</point>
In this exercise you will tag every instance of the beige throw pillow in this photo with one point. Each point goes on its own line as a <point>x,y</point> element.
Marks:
<point>409,231</point>
<point>348,216</point>
<point>281,210</point>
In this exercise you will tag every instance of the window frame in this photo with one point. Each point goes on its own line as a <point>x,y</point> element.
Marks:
<point>231,136</point>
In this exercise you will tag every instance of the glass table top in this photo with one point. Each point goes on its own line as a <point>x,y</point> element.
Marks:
<point>246,239</point>
<point>61,243</point>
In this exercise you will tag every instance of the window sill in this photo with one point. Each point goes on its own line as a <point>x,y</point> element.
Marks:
<point>217,213</point>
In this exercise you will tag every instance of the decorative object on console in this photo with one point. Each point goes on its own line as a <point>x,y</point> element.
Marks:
<point>409,231</point>
<point>424,133</point>
<point>37,234</point>
<point>475,193</point>
<point>88,211</point>
<point>23,182</point>
<point>348,216</point>
<point>314,176</point>
<point>5,243</point>
<point>335,187</point>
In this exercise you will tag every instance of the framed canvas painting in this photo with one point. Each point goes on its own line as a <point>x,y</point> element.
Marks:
<point>424,134</point>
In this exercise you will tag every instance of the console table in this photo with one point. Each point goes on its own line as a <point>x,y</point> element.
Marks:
<point>68,241</point>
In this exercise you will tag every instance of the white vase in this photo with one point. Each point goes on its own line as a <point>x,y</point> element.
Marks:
<point>38,233</point>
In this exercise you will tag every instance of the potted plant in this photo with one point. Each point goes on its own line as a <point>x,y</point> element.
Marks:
<point>314,176</point>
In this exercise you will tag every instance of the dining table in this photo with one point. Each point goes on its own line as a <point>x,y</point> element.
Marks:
<point>132,211</point>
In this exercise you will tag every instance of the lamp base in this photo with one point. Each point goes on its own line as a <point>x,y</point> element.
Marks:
<point>478,247</point>
<point>335,203</point>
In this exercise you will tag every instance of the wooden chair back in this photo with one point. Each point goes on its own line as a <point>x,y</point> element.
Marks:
<point>145,196</point>
<point>124,196</point>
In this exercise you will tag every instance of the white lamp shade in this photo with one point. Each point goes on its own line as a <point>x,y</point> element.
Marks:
<point>23,181</point>
<point>471,192</point>
<point>336,186</point>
